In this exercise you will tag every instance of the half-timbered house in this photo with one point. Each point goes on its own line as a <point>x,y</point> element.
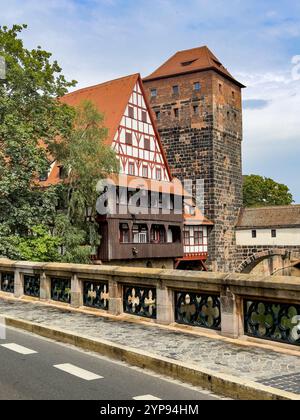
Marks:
<point>152,233</point>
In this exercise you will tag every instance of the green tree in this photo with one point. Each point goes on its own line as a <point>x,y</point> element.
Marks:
<point>34,123</point>
<point>260,191</point>
<point>86,158</point>
<point>30,116</point>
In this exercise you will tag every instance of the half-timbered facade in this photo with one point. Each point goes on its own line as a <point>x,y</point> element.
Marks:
<point>159,233</point>
<point>151,235</point>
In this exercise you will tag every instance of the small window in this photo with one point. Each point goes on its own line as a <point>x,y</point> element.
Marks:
<point>153,93</point>
<point>62,173</point>
<point>175,90</point>
<point>158,115</point>
<point>124,233</point>
<point>131,168</point>
<point>274,233</point>
<point>130,112</point>
<point>220,88</point>
<point>233,94</point>
<point>147,143</point>
<point>196,109</point>
<point>43,176</point>
<point>176,112</point>
<point>144,116</point>
<point>145,171</point>
<point>158,174</point>
<point>197,86</point>
<point>254,234</point>
<point>128,138</point>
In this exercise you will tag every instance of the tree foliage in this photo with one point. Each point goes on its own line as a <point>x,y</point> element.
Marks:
<point>260,191</point>
<point>30,115</point>
<point>33,124</point>
<point>86,159</point>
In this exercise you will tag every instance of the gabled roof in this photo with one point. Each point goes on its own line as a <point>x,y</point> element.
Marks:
<point>269,217</point>
<point>110,98</point>
<point>190,61</point>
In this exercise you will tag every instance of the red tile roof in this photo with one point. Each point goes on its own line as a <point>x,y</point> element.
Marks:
<point>269,217</point>
<point>190,61</point>
<point>110,98</point>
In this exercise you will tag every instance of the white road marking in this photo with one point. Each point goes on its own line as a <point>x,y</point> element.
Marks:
<point>146,398</point>
<point>76,371</point>
<point>18,349</point>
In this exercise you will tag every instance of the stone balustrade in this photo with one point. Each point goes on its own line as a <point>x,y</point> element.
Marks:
<point>234,304</point>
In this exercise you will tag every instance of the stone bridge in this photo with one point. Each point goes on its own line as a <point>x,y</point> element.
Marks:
<point>268,260</point>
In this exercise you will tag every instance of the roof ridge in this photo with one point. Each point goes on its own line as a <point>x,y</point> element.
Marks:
<point>102,84</point>
<point>271,207</point>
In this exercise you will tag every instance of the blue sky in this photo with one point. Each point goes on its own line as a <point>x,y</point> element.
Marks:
<point>258,41</point>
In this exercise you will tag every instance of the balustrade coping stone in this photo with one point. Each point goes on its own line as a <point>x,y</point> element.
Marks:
<point>281,283</point>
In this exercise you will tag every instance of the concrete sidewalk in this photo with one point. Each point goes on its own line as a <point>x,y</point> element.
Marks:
<point>245,363</point>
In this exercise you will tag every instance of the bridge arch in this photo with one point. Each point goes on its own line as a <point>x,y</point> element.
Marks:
<point>267,262</point>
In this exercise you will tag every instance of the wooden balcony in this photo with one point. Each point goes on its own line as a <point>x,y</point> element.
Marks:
<point>131,251</point>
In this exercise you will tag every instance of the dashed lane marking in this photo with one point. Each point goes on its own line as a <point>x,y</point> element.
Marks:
<point>18,349</point>
<point>76,371</point>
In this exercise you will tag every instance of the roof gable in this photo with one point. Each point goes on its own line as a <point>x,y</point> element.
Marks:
<point>110,98</point>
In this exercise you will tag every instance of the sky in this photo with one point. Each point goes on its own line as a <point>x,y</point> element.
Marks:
<point>258,41</point>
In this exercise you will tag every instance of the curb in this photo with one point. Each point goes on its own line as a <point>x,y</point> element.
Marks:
<point>217,383</point>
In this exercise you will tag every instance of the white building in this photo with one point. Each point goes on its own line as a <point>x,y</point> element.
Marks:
<point>269,226</point>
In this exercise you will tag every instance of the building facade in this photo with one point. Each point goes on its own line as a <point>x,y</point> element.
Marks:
<point>198,109</point>
<point>144,226</point>
<point>268,240</point>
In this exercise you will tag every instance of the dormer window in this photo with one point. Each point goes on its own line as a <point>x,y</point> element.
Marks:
<point>188,63</point>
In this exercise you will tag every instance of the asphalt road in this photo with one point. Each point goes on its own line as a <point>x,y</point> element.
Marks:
<point>34,368</point>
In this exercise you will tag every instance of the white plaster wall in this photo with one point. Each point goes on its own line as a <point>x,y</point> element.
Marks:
<point>286,236</point>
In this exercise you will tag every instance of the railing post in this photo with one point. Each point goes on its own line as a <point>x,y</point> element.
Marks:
<point>45,287</point>
<point>230,313</point>
<point>76,292</point>
<point>115,304</point>
<point>18,284</point>
<point>165,304</point>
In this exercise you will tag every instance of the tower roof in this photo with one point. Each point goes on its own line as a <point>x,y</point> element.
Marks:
<point>191,61</point>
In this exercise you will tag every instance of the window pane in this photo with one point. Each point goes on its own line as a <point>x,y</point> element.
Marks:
<point>153,93</point>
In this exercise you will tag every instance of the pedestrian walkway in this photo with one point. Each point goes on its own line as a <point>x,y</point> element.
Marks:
<point>268,367</point>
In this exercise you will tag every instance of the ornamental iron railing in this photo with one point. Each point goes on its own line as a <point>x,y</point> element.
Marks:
<point>272,321</point>
<point>95,295</point>
<point>32,286</point>
<point>7,282</point>
<point>61,290</point>
<point>198,309</point>
<point>140,301</point>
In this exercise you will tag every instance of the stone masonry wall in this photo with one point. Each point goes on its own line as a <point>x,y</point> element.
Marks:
<point>205,143</point>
